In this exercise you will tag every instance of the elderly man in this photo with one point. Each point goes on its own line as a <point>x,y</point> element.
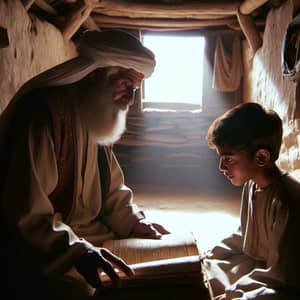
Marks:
<point>62,189</point>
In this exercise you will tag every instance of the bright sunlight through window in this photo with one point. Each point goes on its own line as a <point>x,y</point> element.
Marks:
<point>178,76</point>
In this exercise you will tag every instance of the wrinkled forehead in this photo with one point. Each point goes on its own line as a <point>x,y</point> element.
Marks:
<point>124,73</point>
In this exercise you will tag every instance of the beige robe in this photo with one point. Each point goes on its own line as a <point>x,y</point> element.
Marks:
<point>50,244</point>
<point>261,260</point>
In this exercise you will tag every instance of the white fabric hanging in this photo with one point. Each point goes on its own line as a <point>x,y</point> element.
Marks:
<point>227,71</point>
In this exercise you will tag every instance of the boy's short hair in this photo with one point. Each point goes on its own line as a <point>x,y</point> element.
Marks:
<point>247,127</point>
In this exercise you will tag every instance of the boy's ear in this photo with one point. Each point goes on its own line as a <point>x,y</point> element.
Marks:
<point>262,157</point>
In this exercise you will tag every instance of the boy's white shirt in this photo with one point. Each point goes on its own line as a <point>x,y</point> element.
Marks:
<point>257,258</point>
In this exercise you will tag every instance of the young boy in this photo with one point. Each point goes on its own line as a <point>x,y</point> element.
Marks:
<point>262,259</point>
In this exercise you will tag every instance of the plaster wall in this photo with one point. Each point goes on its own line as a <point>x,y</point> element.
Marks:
<point>34,46</point>
<point>270,88</point>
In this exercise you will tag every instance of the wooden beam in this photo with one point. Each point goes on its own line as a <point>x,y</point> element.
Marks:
<point>78,17</point>
<point>296,6</point>
<point>250,31</point>
<point>153,29</point>
<point>4,40</point>
<point>248,6</point>
<point>27,4</point>
<point>105,21</point>
<point>121,8</point>
<point>277,3</point>
<point>42,4</point>
<point>90,24</point>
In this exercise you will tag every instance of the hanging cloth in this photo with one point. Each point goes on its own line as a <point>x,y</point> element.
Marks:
<point>290,51</point>
<point>227,69</point>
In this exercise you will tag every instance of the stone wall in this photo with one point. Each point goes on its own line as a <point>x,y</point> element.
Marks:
<point>268,87</point>
<point>169,148</point>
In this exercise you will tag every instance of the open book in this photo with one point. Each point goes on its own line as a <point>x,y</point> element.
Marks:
<point>165,267</point>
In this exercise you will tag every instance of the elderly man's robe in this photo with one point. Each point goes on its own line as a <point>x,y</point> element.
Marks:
<point>51,227</point>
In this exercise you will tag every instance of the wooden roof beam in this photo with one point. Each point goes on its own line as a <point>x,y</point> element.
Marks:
<point>27,4</point>
<point>247,23</point>
<point>250,31</point>
<point>106,21</point>
<point>42,4</point>
<point>78,17</point>
<point>194,10</point>
<point>248,6</point>
<point>90,24</point>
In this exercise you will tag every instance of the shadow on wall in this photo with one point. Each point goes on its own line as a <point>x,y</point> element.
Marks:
<point>193,170</point>
<point>170,149</point>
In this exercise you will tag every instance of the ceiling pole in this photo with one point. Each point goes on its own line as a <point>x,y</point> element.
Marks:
<point>27,3</point>
<point>78,17</point>
<point>42,4</point>
<point>248,6</point>
<point>146,9</point>
<point>172,23</point>
<point>249,29</point>
<point>247,23</point>
<point>90,24</point>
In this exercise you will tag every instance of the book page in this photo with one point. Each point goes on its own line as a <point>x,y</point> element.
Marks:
<point>170,265</point>
<point>138,250</point>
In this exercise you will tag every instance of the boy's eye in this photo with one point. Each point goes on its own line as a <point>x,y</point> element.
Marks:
<point>227,159</point>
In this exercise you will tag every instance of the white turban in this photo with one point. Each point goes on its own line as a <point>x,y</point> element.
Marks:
<point>116,48</point>
<point>113,48</point>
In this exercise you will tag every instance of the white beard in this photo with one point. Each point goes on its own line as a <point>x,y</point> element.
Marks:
<point>117,129</point>
<point>104,119</point>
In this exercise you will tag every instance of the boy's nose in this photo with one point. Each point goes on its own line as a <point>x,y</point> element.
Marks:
<point>222,166</point>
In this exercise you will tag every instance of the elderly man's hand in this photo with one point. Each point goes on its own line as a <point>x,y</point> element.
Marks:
<point>220,297</point>
<point>146,229</point>
<point>91,263</point>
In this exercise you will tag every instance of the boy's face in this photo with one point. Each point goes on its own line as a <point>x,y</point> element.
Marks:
<point>236,165</point>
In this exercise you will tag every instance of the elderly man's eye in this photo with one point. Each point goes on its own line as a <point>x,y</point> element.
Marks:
<point>124,83</point>
<point>130,84</point>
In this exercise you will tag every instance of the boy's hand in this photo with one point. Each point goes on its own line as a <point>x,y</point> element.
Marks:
<point>145,229</point>
<point>90,262</point>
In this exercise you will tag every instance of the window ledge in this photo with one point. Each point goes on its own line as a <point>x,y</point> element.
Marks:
<point>170,107</point>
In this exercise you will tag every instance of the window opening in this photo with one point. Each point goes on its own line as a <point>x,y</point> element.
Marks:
<point>177,81</point>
